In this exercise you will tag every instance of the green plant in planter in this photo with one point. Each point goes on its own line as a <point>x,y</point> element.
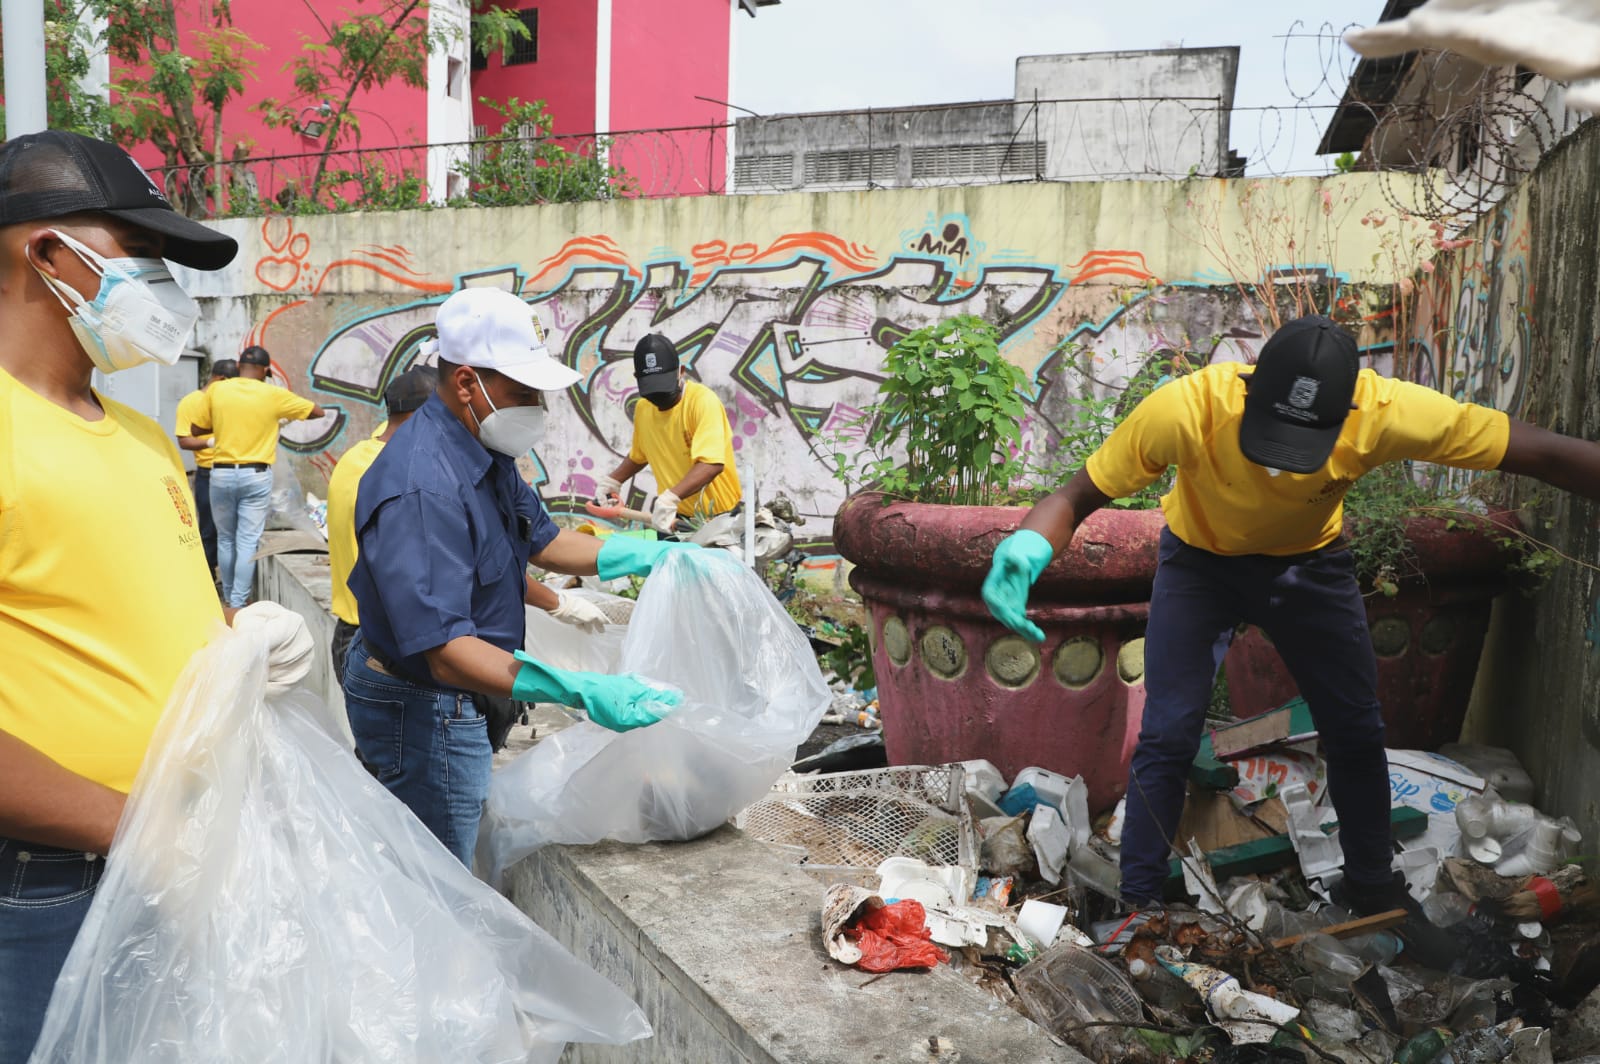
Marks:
<point>1380,503</point>
<point>947,424</point>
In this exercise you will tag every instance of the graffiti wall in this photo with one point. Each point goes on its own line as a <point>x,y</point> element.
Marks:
<point>784,305</point>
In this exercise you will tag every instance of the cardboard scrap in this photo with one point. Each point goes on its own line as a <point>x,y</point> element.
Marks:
<point>1289,723</point>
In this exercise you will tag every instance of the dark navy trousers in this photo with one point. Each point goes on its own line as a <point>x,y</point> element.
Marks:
<point>1310,607</point>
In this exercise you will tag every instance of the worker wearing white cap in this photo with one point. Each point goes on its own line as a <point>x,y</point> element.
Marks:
<point>446,529</point>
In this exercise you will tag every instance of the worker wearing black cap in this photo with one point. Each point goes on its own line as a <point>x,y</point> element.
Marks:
<point>1255,534</point>
<point>104,592</point>
<point>681,432</point>
<point>204,450</point>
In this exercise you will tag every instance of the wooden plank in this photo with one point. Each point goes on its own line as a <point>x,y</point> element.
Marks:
<point>1350,928</point>
<point>1290,722</point>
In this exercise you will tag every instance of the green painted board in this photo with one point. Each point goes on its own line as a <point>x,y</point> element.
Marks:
<point>1266,855</point>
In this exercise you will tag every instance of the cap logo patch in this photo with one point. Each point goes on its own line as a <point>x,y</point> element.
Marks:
<point>650,361</point>
<point>155,192</point>
<point>538,328</point>
<point>1303,392</point>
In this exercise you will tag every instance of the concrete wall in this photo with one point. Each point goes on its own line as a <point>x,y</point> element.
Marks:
<point>1145,113</point>
<point>785,305</point>
<point>1517,321</point>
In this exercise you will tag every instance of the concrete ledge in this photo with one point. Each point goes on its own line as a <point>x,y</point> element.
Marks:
<point>720,942</point>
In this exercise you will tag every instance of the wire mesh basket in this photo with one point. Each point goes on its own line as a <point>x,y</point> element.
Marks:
<point>841,825</point>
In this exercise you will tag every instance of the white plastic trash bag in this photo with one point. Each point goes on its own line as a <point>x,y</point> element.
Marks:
<point>708,626</point>
<point>266,900</point>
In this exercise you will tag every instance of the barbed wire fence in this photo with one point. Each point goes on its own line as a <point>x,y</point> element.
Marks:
<point>1477,131</point>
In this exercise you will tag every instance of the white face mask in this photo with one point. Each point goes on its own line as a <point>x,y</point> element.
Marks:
<point>139,315</point>
<point>513,431</point>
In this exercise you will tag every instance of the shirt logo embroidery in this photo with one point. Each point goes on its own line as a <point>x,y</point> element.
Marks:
<point>179,503</point>
<point>1303,392</point>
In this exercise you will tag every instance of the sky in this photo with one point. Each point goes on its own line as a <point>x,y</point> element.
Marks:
<point>821,55</point>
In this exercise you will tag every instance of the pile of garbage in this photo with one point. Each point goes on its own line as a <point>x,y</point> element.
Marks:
<point>1014,885</point>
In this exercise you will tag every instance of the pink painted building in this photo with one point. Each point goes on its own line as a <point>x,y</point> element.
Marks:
<point>607,66</point>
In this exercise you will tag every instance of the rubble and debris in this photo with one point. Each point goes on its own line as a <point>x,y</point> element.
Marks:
<point>1282,973</point>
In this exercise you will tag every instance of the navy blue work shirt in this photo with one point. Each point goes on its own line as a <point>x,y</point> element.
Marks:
<point>446,528</point>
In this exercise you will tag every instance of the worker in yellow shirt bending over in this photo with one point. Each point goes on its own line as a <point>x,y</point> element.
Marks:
<point>1255,534</point>
<point>681,432</point>
<point>243,416</point>
<point>221,370</point>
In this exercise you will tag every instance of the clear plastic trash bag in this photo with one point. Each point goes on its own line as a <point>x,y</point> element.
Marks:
<point>266,900</point>
<point>708,626</point>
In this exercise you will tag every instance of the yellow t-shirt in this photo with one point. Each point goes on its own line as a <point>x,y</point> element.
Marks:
<point>243,414</point>
<point>671,442</point>
<point>104,589</point>
<point>342,546</point>
<point>188,407</point>
<point>1224,503</point>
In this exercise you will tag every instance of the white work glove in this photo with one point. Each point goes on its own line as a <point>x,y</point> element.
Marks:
<point>607,491</point>
<point>664,515</point>
<point>211,443</point>
<point>579,612</point>
<point>289,643</point>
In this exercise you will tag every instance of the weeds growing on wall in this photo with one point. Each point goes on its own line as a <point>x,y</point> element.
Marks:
<point>524,163</point>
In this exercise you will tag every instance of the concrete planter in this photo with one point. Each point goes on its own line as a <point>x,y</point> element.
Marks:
<point>1428,638</point>
<point>954,684</point>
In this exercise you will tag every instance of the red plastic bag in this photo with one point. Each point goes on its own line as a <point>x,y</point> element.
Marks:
<point>895,936</point>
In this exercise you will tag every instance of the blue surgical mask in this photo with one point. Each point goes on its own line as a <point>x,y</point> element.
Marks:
<point>139,315</point>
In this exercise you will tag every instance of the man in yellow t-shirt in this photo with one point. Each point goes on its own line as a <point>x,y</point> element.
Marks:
<point>104,594</point>
<point>1264,457</point>
<point>401,399</point>
<point>222,369</point>
<point>243,416</point>
<point>680,431</point>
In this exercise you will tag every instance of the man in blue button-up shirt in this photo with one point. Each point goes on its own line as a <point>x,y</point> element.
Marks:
<point>446,528</point>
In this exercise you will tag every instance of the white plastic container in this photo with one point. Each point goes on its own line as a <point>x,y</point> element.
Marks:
<point>1495,764</point>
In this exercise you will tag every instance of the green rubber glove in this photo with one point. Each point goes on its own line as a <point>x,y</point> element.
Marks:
<point>619,703</point>
<point>1018,561</point>
<point>627,556</point>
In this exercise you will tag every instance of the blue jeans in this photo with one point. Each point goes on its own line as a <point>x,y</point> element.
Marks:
<point>429,746</point>
<point>240,501</point>
<point>44,896</point>
<point>1310,607</point>
<point>202,511</point>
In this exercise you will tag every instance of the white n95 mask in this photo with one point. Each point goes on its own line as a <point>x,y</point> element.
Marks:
<point>513,431</point>
<point>139,315</point>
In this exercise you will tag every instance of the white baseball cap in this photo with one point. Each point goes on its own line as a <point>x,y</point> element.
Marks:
<point>489,328</point>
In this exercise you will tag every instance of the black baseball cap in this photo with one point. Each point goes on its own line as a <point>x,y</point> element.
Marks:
<point>1299,395</point>
<point>225,367</point>
<point>655,365</point>
<point>55,173</point>
<point>410,390</point>
<point>255,355</point>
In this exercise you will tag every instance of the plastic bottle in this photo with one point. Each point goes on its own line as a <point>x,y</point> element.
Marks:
<point>1333,967</point>
<point>1425,1048</point>
<point>1445,908</point>
<point>1158,986</point>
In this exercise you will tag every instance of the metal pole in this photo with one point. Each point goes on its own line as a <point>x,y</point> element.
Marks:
<point>24,61</point>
